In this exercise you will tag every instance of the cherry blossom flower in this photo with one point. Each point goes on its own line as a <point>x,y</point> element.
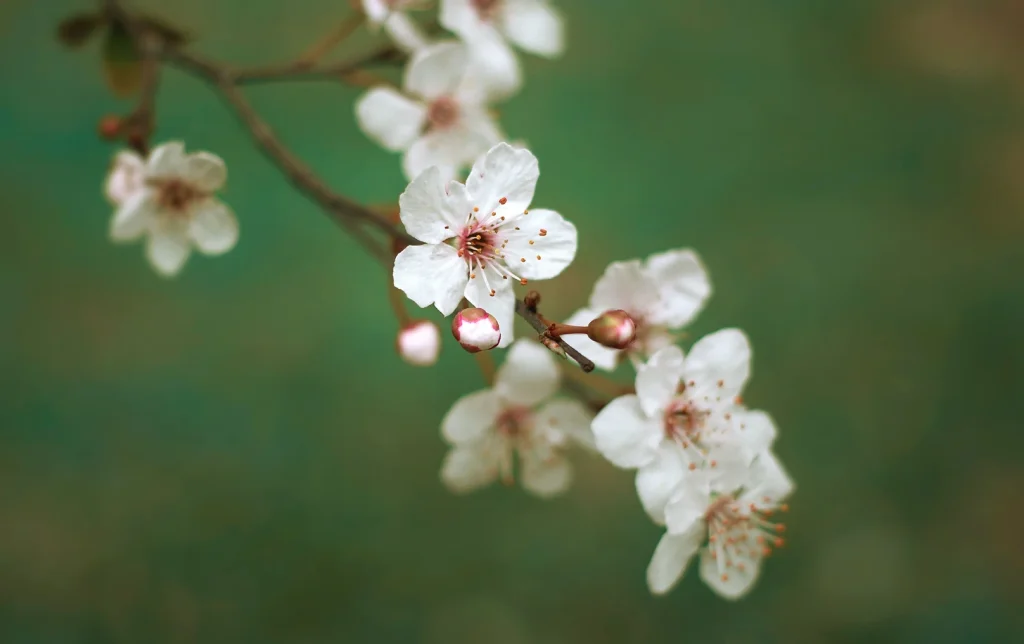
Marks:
<point>419,343</point>
<point>173,205</point>
<point>125,177</point>
<point>730,524</point>
<point>533,25</point>
<point>390,14</point>
<point>664,293</point>
<point>516,420</point>
<point>440,118</point>
<point>685,416</point>
<point>479,238</point>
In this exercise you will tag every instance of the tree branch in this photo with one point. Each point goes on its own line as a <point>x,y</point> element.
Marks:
<point>533,319</point>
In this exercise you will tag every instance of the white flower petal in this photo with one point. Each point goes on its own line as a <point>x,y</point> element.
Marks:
<point>405,33</point>
<point>566,420</point>
<point>735,581</point>
<point>167,250</point>
<point>658,380</point>
<point>528,376</point>
<point>602,357</point>
<point>205,171</point>
<point>213,227</point>
<point>436,71</point>
<point>756,430</point>
<point>166,161</point>
<point>461,17</point>
<point>506,173</point>
<point>545,240</point>
<point>657,481</point>
<point>688,503</point>
<point>534,26</point>
<point>545,477</point>
<point>625,435</point>
<point>134,217</point>
<point>767,479</point>
<point>450,149</point>
<point>625,285</point>
<point>684,286</point>
<point>502,304</point>
<point>125,178</point>
<point>494,71</point>
<point>430,274</point>
<point>471,417</point>
<point>470,467</point>
<point>428,212</point>
<point>389,118</point>
<point>376,10</point>
<point>718,366</point>
<point>669,561</point>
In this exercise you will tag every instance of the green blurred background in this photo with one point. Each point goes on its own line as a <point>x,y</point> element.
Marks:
<point>238,455</point>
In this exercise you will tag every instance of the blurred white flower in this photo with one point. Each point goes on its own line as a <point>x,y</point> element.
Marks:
<point>124,178</point>
<point>662,294</point>
<point>516,420</point>
<point>533,25</point>
<point>173,204</point>
<point>390,14</point>
<point>731,520</point>
<point>438,120</point>
<point>686,416</point>
<point>419,343</point>
<point>479,235</point>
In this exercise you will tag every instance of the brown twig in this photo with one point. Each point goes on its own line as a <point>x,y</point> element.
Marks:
<point>533,319</point>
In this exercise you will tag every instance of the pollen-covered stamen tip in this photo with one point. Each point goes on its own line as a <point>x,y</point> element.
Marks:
<point>735,533</point>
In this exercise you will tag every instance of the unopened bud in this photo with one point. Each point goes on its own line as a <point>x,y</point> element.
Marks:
<point>476,330</point>
<point>419,343</point>
<point>109,127</point>
<point>613,329</point>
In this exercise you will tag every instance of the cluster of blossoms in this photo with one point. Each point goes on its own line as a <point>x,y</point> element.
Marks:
<point>705,470</point>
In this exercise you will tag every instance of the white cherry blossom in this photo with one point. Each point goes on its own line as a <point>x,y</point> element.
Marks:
<point>728,519</point>
<point>686,416</point>
<point>173,204</point>
<point>480,238</point>
<point>516,420</point>
<point>439,119</point>
<point>662,294</point>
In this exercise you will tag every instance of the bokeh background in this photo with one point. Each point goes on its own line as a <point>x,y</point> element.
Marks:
<point>238,455</point>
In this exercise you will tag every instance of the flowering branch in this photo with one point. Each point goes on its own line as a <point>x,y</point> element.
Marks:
<point>534,319</point>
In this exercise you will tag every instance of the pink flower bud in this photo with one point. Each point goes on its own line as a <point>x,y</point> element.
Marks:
<point>419,343</point>
<point>613,329</point>
<point>476,330</point>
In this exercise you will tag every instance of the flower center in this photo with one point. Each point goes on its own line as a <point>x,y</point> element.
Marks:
<point>175,196</point>
<point>684,421</point>
<point>486,8</point>
<point>482,245</point>
<point>736,534</point>
<point>515,423</point>
<point>443,113</point>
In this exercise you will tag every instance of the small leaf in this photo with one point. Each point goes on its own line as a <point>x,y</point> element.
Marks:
<point>122,64</point>
<point>78,29</point>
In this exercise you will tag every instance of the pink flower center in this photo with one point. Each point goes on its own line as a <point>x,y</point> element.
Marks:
<point>683,422</point>
<point>176,196</point>
<point>736,534</point>
<point>443,113</point>
<point>482,244</point>
<point>515,422</point>
<point>486,8</point>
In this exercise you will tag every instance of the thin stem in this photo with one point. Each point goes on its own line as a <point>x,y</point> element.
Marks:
<point>331,40</point>
<point>397,301</point>
<point>534,320</point>
<point>485,361</point>
<point>557,330</point>
<point>601,384</point>
<point>336,72</point>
